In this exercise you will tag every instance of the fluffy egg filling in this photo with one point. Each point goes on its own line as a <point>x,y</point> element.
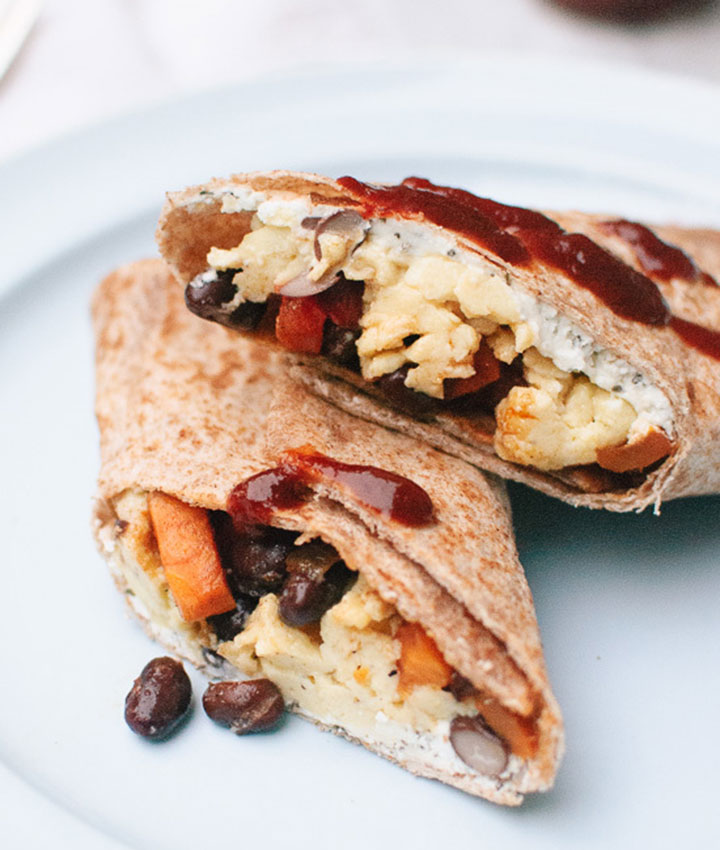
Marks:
<point>346,670</point>
<point>433,318</point>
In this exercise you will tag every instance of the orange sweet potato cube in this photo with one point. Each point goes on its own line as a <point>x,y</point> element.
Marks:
<point>420,662</point>
<point>189,557</point>
<point>520,732</point>
<point>636,455</point>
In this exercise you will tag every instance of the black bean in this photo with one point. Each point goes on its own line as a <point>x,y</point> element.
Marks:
<point>208,294</point>
<point>393,387</point>
<point>255,560</point>
<point>231,623</point>
<point>460,687</point>
<point>302,601</point>
<point>305,598</point>
<point>478,746</point>
<point>253,706</point>
<point>339,345</point>
<point>247,316</point>
<point>259,565</point>
<point>158,699</point>
<point>312,559</point>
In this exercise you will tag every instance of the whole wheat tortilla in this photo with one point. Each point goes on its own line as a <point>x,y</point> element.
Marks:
<point>186,408</point>
<point>193,221</point>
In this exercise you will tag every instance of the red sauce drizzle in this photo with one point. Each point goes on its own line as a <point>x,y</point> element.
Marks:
<point>287,486</point>
<point>703,339</point>
<point>657,258</point>
<point>254,500</point>
<point>506,217</point>
<point>627,292</point>
<point>442,210</point>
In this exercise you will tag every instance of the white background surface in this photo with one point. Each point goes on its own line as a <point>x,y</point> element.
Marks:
<point>89,59</point>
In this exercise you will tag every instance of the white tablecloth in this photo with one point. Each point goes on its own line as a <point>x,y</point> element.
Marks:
<point>89,59</point>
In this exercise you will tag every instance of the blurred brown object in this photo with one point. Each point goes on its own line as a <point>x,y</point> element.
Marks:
<point>634,11</point>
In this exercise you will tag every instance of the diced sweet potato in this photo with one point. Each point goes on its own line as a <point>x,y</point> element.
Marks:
<point>520,732</point>
<point>636,455</point>
<point>189,557</point>
<point>487,371</point>
<point>299,324</point>
<point>420,662</point>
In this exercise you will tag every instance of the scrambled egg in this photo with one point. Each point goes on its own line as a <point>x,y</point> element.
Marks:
<point>446,304</point>
<point>268,258</point>
<point>560,419</point>
<point>430,311</point>
<point>348,673</point>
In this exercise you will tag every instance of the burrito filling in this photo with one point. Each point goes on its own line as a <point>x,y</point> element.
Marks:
<point>295,613</point>
<point>435,328</point>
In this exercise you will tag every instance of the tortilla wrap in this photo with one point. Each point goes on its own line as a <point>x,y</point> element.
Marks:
<point>644,369</point>
<point>185,408</point>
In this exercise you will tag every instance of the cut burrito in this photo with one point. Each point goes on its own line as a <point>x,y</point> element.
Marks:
<point>374,580</point>
<point>578,354</point>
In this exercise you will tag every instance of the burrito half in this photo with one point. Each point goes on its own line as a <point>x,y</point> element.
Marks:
<point>576,353</point>
<point>374,580</point>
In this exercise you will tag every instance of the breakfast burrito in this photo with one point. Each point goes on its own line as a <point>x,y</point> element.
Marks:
<point>261,532</point>
<point>578,354</point>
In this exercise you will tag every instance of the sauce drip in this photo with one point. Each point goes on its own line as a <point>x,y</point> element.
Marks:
<point>656,257</point>
<point>443,210</point>
<point>628,293</point>
<point>253,501</point>
<point>287,486</point>
<point>505,216</point>
<point>703,339</point>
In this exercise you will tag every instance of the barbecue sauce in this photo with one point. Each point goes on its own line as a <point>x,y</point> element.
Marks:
<point>698,337</point>
<point>287,486</point>
<point>532,236</point>
<point>656,257</point>
<point>443,210</point>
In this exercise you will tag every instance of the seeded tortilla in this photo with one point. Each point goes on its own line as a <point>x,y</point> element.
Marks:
<point>193,221</point>
<point>186,408</point>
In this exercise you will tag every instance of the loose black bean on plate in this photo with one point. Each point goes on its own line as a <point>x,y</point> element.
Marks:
<point>253,706</point>
<point>158,699</point>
